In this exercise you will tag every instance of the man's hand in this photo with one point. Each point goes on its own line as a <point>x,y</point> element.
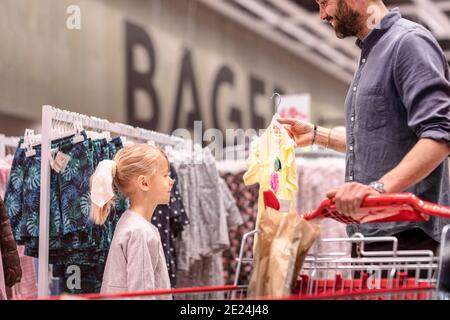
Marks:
<point>350,196</point>
<point>301,132</point>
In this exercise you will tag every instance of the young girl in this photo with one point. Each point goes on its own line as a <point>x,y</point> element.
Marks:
<point>136,259</point>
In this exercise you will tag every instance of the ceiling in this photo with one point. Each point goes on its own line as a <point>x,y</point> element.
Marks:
<point>295,26</point>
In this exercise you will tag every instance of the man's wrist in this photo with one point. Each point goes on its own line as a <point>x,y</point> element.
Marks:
<point>323,137</point>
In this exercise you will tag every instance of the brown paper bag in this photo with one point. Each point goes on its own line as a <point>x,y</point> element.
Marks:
<point>283,242</point>
<point>268,226</point>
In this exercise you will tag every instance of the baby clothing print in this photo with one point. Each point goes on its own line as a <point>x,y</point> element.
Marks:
<point>271,164</point>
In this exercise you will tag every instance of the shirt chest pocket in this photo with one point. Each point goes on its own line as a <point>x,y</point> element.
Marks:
<point>372,113</point>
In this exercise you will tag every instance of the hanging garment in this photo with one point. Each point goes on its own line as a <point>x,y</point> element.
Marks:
<point>204,273</point>
<point>74,239</point>
<point>12,271</point>
<point>5,169</point>
<point>23,195</point>
<point>170,220</point>
<point>234,216</point>
<point>136,259</point>
<point>246,199</point>
<point>14,192</point>
<point>271,164</point>
<point>65,215</point>
<point>188,244</point>
<point>91,243</point>
<point>202,236</point>
<point>200,245</point>
<point>209,270</point>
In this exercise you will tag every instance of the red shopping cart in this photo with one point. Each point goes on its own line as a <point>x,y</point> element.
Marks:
<point>384,208</point>
<point>393,274</point>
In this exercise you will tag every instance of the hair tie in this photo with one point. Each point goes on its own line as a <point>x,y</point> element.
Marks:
<point>114,169</point>
<point>102,183</point>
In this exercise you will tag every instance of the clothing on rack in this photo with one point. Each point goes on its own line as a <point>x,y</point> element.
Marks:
<point>76,243</point>
<point>11,268</point>
<point>90,242</point>
<point>170,220</point>
<point>5,169</point>
<point>209,208</point>
<point>246,198</point>
<point>74,239</point>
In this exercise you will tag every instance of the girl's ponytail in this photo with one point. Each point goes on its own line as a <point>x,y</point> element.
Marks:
<point>102,191</point>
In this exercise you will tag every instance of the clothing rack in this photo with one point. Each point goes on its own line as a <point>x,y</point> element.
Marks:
<point>6,142</point>
<point>50,117</point>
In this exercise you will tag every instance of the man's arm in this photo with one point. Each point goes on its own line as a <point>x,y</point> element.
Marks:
<point>423,158</point>
<point>303,134</point>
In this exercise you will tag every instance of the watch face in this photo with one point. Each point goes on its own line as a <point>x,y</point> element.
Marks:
<point>378,186</point>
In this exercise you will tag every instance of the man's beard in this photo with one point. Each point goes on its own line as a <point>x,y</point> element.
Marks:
<point>347,21</point>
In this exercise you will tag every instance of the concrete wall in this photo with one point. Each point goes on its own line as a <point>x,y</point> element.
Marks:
<point>43,62</point>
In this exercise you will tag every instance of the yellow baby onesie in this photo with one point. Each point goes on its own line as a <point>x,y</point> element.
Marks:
<point>271,163</point>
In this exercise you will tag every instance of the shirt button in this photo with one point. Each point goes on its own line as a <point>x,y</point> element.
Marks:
<point>363,61</point>
<point>353,118</point>
<point>351,178</point>
<point>354,89</point>
<point>351,148</point>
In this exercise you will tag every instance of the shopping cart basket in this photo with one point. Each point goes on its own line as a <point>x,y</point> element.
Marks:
<point>393,274</point>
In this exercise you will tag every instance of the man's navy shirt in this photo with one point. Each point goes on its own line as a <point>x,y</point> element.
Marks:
<point>399,94</point>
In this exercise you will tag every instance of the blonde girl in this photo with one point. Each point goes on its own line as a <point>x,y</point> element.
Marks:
<point>136,259</point>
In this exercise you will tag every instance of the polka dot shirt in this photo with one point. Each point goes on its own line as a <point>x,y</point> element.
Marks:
<point>170,220</point>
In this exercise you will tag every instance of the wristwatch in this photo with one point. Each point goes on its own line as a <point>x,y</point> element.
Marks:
<point>378,186</point>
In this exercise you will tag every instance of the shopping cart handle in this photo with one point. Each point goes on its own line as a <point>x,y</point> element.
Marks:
<point>392,207</point>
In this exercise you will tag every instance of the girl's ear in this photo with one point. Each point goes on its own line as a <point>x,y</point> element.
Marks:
<point>143,183</point>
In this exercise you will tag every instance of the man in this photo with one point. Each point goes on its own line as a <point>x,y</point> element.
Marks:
<point>397,118</point>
